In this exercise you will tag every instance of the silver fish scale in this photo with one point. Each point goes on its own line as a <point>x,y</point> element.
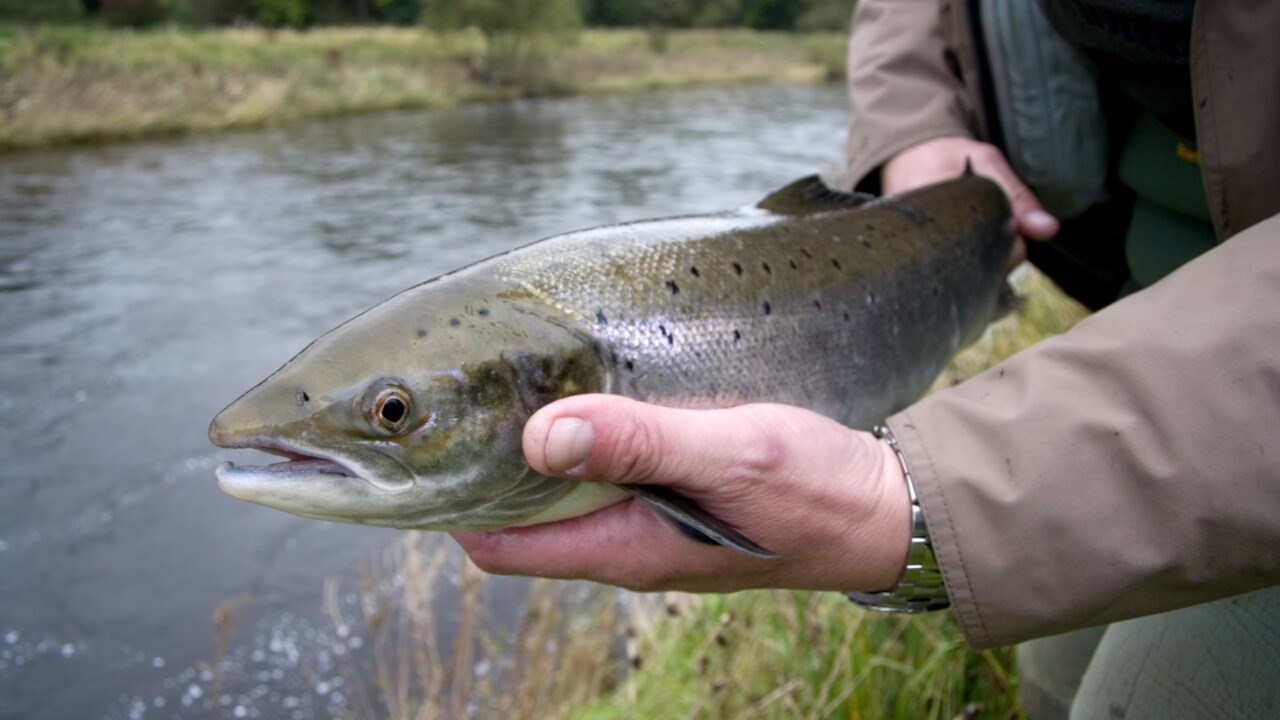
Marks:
<point>714,311</point>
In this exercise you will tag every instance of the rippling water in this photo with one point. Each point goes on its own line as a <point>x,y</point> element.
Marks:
<point>144,286</point>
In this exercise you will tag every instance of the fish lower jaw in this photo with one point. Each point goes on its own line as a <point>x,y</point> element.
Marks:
<point>260,483</point>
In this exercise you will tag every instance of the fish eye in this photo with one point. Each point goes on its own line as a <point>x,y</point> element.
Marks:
<point>388,406</point>
<point>393,410</point>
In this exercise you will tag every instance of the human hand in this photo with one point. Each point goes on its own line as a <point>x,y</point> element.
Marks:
<point>830,500</point>
<point>944,158</point>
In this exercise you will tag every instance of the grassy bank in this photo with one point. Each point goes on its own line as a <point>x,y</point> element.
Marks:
<point>69,84</point>
<point>761,654</point>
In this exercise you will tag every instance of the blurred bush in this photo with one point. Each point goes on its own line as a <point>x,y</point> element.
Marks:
<point>347,12</point>
<point>212,12</point>
<point>41,11</point>
<point>132,12</point>
<point>518,35</point>
<point>279,13</point>
<point>527,17</point>
<point>826,15</point>
<point>804,15</point>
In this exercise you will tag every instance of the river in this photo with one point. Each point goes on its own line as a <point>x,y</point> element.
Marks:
<point>143,286</point>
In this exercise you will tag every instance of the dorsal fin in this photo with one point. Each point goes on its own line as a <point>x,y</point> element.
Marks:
<point>810,195</point>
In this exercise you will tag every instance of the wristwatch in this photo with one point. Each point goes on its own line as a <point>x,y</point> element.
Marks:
<point>921,588</point>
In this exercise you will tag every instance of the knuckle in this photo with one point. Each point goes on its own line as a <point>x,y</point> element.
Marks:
<point>763,456</point>
<point>1018,193</point>
<point>766,451</point>
<point>637,450</point>
<point>987,152</point>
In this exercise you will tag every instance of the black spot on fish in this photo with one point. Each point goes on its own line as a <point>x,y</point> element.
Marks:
<point>793,265</point>
<point>865,242</point>
<point>737,336</point>
<point>836,264</point>
<point>768,309</point>
<point>455,322</point>
<point>973,208</point>
<point>670,336</point>
<point>484,312</point>
<point>422,333</point>
<point>631,366</point>
<point>805,253</point>
<point>817,304</point>
<point>302,397</point>
<point>600,318</point>
<point>846,316</point>
<point>694,271</point>
<point>675,289</point>
<point>766,267</point>
<point>737,268</point>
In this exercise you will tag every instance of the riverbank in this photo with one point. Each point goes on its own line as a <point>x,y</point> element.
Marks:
<point>61,85</point>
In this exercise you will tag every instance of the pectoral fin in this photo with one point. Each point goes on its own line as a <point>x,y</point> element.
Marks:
<point>695,522</point>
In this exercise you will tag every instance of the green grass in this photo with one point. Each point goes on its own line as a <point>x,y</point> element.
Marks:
<point>791,654</point>
<point>759,654</point>
<point>77,84</point>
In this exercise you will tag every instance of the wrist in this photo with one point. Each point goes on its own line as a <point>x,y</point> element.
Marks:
<point>895,526</point>
<point>919,586</point>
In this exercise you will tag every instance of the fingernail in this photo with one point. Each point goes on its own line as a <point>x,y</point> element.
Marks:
<point>568,443</point>
<point>1041,222</point>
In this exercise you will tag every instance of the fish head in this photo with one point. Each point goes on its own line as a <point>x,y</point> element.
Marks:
<point>408,416</point>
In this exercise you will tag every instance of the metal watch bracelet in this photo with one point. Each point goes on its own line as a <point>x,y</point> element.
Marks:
<point>921,588</point>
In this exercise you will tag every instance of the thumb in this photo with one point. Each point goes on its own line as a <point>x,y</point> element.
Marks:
<point>608,438</point>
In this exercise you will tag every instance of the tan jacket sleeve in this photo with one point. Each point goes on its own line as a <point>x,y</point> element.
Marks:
<point>904,80</point>
<point>1128,467</point>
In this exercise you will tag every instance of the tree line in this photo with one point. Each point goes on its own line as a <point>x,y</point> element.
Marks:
<point>788,15</point>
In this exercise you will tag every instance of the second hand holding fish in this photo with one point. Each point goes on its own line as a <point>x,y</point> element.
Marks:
<point>830,500</point>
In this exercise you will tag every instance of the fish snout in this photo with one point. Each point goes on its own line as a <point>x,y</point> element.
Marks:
<point>220,432</point>
<point>233,428</point>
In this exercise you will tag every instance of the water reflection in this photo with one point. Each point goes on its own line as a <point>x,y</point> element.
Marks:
<point>145,286</point>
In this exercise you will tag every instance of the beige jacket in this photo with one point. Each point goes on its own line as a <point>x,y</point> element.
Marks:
<point>1131,466</point>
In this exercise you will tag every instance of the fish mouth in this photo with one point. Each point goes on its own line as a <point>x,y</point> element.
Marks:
<point>300,465</point>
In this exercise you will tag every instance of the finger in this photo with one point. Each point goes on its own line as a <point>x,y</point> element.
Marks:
<point>624,545</point>
<point>1037,224</point>
<point>945,158</point>
<point>1031,220</point>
